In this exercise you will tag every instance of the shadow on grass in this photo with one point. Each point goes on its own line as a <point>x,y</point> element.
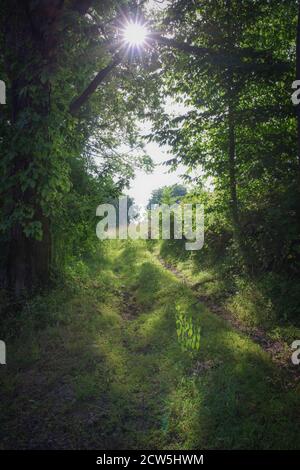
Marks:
<point>101,382</point>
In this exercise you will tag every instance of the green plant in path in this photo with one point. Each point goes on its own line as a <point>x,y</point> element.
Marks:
<point>188,328</point>
<point>109,372</point>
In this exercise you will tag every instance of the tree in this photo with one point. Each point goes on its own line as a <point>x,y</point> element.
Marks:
<point>241,127</point>
<point>52,50</point>
<point>174,193</point>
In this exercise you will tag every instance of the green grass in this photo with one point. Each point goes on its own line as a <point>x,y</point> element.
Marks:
<point>107,368</point>
<point>267,302</point>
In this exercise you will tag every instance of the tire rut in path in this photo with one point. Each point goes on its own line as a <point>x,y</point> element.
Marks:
<point>278,350</point>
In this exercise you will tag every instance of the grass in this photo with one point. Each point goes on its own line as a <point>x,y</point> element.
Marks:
<point>257,303</point>
<point>108,368</point>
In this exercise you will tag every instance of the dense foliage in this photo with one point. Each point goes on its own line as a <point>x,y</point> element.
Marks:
<point>68,145</point>
<point>57,165</point>
<point>240,129</point>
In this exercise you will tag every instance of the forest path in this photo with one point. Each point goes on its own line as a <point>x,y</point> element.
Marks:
<point>118,367</point>
<point>279,351</point>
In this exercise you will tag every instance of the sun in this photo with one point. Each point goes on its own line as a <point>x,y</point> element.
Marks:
<point>135,34</point>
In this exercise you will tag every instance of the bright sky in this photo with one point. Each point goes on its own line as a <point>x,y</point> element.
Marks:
<point>157,4</point>
<point>144,184</point>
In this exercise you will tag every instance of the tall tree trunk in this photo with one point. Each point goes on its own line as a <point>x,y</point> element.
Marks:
<point>297,199</point>
<point>29,44</point>
<point>234,204</point>
<point>232,97</point>
<point>298,78</point>
<point>232,174</point>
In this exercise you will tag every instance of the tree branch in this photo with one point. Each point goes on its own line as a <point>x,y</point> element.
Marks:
<point>78,102</point>
<point>211,54</point>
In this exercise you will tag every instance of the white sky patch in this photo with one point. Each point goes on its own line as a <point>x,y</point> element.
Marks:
<point>143,184</point>
<point>157,5</point>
